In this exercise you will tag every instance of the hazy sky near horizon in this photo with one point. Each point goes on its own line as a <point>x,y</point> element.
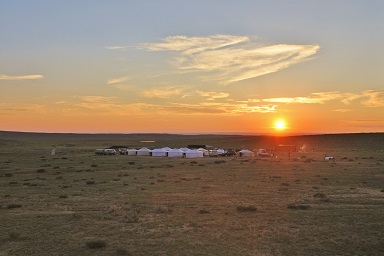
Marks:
<point>182,66</point>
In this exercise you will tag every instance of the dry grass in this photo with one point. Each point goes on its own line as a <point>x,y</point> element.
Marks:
<point>160,206</point>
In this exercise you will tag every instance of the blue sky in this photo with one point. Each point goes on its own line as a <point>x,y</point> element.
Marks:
<point>69,58</point>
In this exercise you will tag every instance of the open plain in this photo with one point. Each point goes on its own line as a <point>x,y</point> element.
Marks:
<point>77,203</point>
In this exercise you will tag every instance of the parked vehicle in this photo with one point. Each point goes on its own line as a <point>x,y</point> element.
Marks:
<point>263,153</point>
<point>105,152</point>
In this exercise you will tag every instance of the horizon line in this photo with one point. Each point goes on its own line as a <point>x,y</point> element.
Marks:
<point>193,133</point>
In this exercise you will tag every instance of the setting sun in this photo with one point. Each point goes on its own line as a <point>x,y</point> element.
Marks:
<point>280,125</point>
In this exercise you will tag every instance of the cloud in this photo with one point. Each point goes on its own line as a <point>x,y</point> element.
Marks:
<point>162,92</point>
<point>125,87</point>
<point>27,77</point>
<point>192,109</point>
<point>191,45</point>
<point>17,107</point>
<point>228,59</point>
<point>218,108</point>
<point>342,110</point>
<point>111,105</point>
<point>118,80</point>
<point>369,98</point>
<point>245,108</point>
<point>117,47</point>
<point>213,95</point>
<point>314,98</point>
<point>373,98</point>
<point>97,99</point>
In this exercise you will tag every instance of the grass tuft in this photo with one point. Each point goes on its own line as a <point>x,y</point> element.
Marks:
<point>298,206</point>
<point>163,209</point>
<point>319,195</point>
<point>96,244</point>
<point>14,236</point>
<point>242,208</point>
<point>122,252</point>
<point>13,206</point>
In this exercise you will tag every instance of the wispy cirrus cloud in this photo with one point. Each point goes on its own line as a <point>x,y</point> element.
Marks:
<point>218,108</point>
<point>373,98</point>
<point>97,99</point>
<point>228,59</point>
<point>314,98</point>
<point>118,80</point>
<point>342,110</point>
<point>117,47</point>
<point>26,77</point>
<point>213,95</point>
<point>192,45</point>
<point>245,108</point>
<point>369,98</point>
<point>112,105</point>
<point>24,107</point>
<point>162,92</point>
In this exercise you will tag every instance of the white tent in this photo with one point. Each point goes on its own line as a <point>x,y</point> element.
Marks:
<point>220,151</point>
<point>205,152</point>
<point>246,153</point>
<point>166,149</point>
<point>193,153</point>
<point>159,152</point>
<point>175,153</point>
<point>131,152</point>
<point>184,149</point>
<point>143,152</point>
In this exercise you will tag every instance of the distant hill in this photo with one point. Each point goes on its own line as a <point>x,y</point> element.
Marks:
<point>361,141</point>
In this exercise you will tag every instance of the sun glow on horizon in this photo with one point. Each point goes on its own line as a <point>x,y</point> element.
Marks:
<point>280,125</point>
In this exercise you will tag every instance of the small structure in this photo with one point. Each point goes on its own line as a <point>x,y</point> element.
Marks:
<point>99,151</point>
<point>175,153</point>
<point>184,149</point>
<point>144,152</point>
<point>110,151</point>
<point>192,153</point>
<point>263,153</point>
<point>213,153</point>
<point>123,151</point>
<point>246,153</point>
<point>159,152</point>
<point>131,152</point>
<point>205,151</point>
<point>105,151</point>
<point>220,151</point>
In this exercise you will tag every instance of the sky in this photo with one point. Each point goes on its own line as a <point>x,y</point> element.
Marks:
<point>190,67</point>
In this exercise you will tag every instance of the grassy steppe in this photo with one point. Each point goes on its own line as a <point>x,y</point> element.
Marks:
<point>77,203</point>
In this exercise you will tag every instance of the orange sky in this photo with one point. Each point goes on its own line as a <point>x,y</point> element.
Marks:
<point>73,67</point>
